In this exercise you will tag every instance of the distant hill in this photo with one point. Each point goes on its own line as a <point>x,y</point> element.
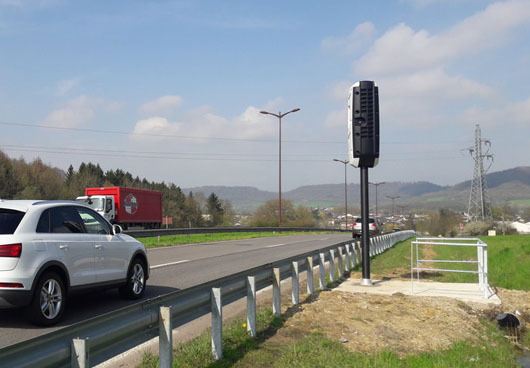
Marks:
<point>242,198</point>
<point>508,186</point>
<point>518,174</point>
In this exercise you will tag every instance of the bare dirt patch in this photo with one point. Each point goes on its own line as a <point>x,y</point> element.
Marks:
<point>404,324</point>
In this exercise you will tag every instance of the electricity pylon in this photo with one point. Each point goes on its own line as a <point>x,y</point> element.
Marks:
<point>479,208</point>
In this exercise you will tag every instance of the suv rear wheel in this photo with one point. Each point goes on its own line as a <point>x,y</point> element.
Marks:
<point>135,286</point>
<point>49,299</point>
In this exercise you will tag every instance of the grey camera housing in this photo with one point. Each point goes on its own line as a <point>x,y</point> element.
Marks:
<point>363,124</point>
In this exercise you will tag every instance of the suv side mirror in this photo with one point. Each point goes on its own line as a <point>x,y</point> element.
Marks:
<point>116,229</point>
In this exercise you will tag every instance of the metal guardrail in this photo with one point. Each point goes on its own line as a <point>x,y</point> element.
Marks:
<point>213,230</point>
<point>98,339</point>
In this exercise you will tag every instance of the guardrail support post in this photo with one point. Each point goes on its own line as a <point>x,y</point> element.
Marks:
<point>310,287</point>
<point>348,258</point>
<point>217,324</point>
<point>332,265</point>
<point>341,262</point>
<point>251,305</point>
<point>276,293</point>
<point>322,271</point>
<point>80,356</point>
<point>165,339</point>
<point>295,277</point>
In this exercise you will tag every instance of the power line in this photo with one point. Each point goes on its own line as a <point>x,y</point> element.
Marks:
<point>105,150</point>
<point>209,138</point>
<point>161,157</point>
<point>166,135</point>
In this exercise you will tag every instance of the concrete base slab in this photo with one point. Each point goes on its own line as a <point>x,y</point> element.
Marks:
<point>460,291</point>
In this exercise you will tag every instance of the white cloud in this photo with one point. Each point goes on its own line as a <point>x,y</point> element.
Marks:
<point>161,106</point>
<point>402,49</point>
<point>414,99</point>
<point>157,125</point>
<point>203,122</point>
<point>66,86</point>
<point>433,84</point>
<point>78,112</point>
<point>514,113</point>
<point>361,36</point>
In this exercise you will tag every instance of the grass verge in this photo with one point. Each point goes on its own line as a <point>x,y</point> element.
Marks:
<point>165,241</point>
<point>316,350</point>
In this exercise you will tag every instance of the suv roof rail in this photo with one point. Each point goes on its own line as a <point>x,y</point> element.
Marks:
<point>65,201</point>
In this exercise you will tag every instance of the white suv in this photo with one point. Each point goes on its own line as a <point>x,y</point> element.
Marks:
<point>374,227</point>
<point>50,249</point>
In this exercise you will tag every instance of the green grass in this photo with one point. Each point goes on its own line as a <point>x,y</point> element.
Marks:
<point>316,350</point>
<point>208,238</point>
<point>508,261</point>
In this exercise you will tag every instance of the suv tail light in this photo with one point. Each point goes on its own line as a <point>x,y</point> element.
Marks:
<point>354,224</point>
<point>10,250</point>
<point>372,225</point>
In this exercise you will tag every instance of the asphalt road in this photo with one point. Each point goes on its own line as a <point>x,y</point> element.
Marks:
<point>174,268</point>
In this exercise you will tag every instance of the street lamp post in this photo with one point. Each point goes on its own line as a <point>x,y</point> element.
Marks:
<point>345,162</point>
<point>279,115</point>
<point>393,199</point>
<point>377,185</point>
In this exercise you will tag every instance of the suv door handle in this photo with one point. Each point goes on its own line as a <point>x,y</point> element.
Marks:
<point>97,246</point>
<point>63,246</point>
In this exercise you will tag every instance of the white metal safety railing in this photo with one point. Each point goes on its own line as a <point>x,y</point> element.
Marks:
<point>481,262</point>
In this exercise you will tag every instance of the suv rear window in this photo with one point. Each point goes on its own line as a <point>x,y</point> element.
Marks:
<point>9,220</point>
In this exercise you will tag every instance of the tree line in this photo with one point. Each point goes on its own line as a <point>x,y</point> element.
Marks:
<point>35,180</point>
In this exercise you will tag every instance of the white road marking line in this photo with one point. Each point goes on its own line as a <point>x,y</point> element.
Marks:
<point>169,264</point>
<point>275,245</point>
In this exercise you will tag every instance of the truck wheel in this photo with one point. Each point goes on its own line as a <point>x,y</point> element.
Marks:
<point>135,286</point>
<point>49,300</point>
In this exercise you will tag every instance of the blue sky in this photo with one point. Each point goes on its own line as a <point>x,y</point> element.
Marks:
<point>171,90</point>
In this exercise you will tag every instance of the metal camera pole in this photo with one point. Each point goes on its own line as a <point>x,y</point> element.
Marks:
<point>365,239</point>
